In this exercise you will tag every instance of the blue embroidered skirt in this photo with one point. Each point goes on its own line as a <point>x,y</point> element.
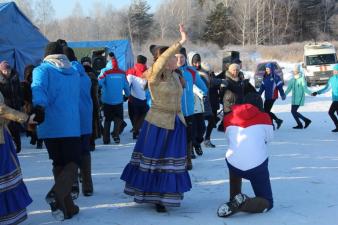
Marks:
<point>157,170</point>
<point>14,197</point>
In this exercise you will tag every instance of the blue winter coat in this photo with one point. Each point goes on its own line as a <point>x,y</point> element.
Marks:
<point>331,84</point>
<point>113,82</point>
<point>188,94</point>
<point>271,84</point>
<point>56,88</point>
<point>86,104</point>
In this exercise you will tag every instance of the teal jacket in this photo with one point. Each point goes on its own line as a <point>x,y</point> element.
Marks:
<point>298,87</point>
<point>331,84</point>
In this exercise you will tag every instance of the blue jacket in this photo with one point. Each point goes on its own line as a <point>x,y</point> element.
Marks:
<point>86,104</point>
<point>113,82</point>
<point>191,77</point>
<point>271,85</point>
<point>56,87</point>
<point>331,84</point>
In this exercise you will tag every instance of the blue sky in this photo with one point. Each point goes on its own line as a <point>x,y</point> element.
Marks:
<point>63,8</point>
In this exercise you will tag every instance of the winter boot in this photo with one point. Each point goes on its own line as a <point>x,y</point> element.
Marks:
<point>299,126</point>
<point>75,188</point>
<point>71,208</point>
<point>50,197</point>
<point>279,123</point>
<point>86,173</point>
<point>208,144</point>
<point>307,123</point>
<point>63,187</point>
<point>232,207</point>
<point>198,150</point>
<point>335,130</point>
<point>255,205</point>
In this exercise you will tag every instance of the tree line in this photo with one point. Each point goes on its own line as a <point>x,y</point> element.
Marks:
<point>223,22</point>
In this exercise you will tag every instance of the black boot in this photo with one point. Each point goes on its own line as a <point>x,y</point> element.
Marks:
<point>160,208</point>
<point>307,123</point>
<point>86,174</point>
<point>279,123</point>
<point>198,150</point>
<point>299,126</point>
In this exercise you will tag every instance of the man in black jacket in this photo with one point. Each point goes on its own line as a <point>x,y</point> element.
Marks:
<point>11,90</point>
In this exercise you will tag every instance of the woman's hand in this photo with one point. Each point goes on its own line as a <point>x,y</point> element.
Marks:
<point>184,35</point>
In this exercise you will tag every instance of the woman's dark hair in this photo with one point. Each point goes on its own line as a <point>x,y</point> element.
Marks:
<point>69,52</point>
<point>28,73</point>
<point>159,52</point>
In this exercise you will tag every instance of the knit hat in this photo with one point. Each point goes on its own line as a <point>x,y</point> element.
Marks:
<point>254,99</point>
<point>183,51</point>
<point>141,59</point>
<point>4,65</point>
<point>53,48</point>
<point>69,52</point>
<point>86,59</point>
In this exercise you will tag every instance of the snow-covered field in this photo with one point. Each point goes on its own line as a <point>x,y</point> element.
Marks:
<point>303,168</point>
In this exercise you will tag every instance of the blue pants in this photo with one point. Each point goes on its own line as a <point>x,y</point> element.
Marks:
<point>259,178</point>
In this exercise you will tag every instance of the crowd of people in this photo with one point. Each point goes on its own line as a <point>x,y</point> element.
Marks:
<point>60,103</point>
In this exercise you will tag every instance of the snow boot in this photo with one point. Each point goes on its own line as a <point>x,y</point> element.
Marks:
<point>232,207</point>
<point>255,205</point>
<point>299,126</point>
<point>307,123</point>
<point>208,144</point>
<point>279,123</point>
<point>86,174</point>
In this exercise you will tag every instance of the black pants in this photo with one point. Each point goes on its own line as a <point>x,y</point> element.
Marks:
<point>137,110</point>
<point>189,121</point>
<point>64,150</point>
<point>14,129</point>
<point>212,120</point>
<point>332,111</point>
<point>112,113</point>
<point>268,103</point>
<point>296,115</point>
<point>198,128</point>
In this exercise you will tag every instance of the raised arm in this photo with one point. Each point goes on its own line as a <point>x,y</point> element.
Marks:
<point>153,72</point>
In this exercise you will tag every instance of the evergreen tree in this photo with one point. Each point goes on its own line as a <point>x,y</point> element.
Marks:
<point>139,21</point>
<point>218,26</point>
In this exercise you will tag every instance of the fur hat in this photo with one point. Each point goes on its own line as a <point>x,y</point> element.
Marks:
<point>53,48</point>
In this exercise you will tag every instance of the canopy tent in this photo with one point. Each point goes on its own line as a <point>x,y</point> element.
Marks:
<point>21,43</point>
<point>121,48</point>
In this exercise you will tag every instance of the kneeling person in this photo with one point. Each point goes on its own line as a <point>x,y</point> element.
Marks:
<point>248,130</point>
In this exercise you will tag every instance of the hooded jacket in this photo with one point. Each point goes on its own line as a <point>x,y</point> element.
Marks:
<point>271,84</point>
<point>113,82</point>
<point>56,87</point>
<point>136,81</point>
<point>298,87</point>
<point>248,130</point>
<point>86,104</point>
<point>191,77</point>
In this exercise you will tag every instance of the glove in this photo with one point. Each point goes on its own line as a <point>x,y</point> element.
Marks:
<point>283,97</point>
<point>314,93</point>
<point>125,98</point>
<point>39,112</point>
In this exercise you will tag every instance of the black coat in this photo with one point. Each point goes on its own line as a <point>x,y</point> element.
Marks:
<point>11,90</point>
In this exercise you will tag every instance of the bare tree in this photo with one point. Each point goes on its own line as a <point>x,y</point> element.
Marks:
<point>44,14</point>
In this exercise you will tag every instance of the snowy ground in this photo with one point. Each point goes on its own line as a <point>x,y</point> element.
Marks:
<point>303,167</point>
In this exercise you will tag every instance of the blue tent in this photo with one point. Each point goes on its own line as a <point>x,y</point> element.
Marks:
<point>121,48</point>
<point>21,43</point>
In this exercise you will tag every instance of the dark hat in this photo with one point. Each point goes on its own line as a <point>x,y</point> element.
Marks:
<point>237,61</point>
<point>53,48</point>
<point>111,54</point>
<point>141,59</point>
<point>86,59</point>
<point>255,100</point>
<point>183,51</point>
<point>69,52</point>
<point>62,42</point>
<point>154,48</point>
